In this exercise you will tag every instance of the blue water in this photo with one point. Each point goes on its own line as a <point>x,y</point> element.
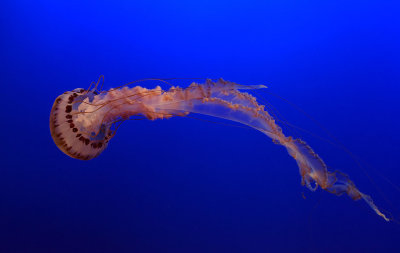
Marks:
<point>187,185</point>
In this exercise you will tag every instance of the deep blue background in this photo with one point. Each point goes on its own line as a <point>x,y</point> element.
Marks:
<point>184,185</point>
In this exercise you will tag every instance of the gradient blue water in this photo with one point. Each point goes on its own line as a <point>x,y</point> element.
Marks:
<point>185,185</point>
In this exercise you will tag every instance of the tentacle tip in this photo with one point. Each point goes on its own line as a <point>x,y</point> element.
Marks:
<point>250,87</point>
<point>370,202</point>
<point>379,213</point>
<point>384,216</point>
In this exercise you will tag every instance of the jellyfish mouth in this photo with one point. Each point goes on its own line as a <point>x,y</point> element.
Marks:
<point>66,132</point>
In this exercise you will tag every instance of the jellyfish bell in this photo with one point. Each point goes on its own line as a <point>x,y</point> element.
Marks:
<point>68,133</point>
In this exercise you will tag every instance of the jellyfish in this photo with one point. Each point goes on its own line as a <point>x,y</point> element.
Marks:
<point>83,121</point>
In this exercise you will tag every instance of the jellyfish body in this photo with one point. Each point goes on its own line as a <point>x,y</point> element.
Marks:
<point>82,121</point>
